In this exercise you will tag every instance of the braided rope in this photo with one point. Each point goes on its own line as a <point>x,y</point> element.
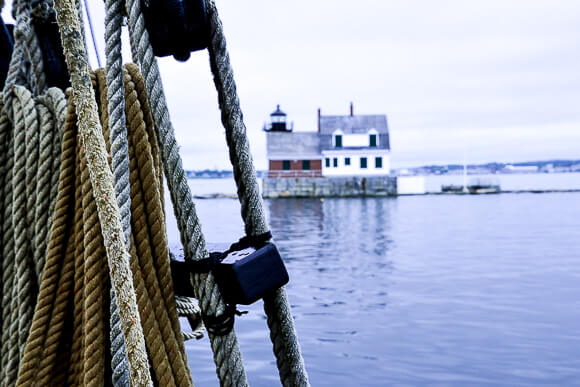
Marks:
<point>58,105</point>
<point>4,141</point>
<point>52,104</point>
<point>32,154</point>
<point>120,166</point>
<point>282,331</point>
<point>153,194</point>
<point>42,189</point>
<point>76,370</point>
<point>15,73</point>
<point>34,52</point>
<point>227,356</point>
<point>151,242</point>
<point>93,354</point>
<point>25,118</point>
<point>7,372</point>
<point>58,272</point>
<point>102,180</point>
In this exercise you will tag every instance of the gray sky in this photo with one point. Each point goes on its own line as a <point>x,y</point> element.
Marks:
<point>496,79</point>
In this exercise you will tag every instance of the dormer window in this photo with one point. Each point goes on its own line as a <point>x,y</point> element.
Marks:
<point>338,140</point>
<point>373,138</point>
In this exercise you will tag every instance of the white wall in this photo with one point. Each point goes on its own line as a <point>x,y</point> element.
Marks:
<point>354,168</point>
<point>356,140</point>
<point>410,185</point>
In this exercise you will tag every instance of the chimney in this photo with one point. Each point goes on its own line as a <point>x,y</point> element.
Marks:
<point>351,109</point>
<point>318,120</point>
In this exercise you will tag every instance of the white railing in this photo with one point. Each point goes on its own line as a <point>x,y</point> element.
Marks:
<point>268,126</point>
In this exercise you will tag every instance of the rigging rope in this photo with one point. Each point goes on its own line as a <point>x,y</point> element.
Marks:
<point>282,331</point>
<point>119,165</point>
<point>283,334</point>
<point>227,355</point>
<point>72,302</point>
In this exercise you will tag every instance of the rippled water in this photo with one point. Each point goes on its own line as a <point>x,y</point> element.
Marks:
<point>444,290</point>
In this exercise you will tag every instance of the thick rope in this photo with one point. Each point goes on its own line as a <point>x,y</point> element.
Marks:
<point>7,370</point>
<point>4,141</point>
<point>120,166</point>
<point>151,241</point>
<point>25,271</point>
<point>227,356</point>
<point>31,168</point>
<point>53,295</point>
<point>102,180</point>
<point>32,153</point>
<point>28,46</point>
<point>154,203</point>
<point>282,331</point>
<point>52,110</point>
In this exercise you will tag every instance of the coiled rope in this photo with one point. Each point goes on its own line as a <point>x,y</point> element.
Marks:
<point>33,131</point>
<point>75,281</point>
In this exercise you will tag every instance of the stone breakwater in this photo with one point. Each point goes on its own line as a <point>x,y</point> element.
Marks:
<point>309,187</point>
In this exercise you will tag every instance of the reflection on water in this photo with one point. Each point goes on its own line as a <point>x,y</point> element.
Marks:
<point>450,290</point>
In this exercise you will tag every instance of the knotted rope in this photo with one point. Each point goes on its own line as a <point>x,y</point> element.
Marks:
<point>227,356</point>
<point>188,307</point>
<point>282,331</point>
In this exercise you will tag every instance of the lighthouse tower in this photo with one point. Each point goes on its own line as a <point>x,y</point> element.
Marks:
<point>278,122</point>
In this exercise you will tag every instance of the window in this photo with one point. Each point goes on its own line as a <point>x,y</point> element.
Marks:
<point>378,162</point>
<point>327,161</point>
<point>373,140</point>
<point>335,162</point>
<point>286,165</point>
<point>338,141</point>
<point>347,161</point>
<point>306,165</point>
<point>363,162</point>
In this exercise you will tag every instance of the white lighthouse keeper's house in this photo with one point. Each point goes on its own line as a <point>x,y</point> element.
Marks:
<point>354,145</point>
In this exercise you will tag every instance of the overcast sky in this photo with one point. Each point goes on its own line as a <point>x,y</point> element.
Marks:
<point>496,79</point>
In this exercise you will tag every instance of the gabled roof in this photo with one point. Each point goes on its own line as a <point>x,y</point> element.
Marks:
<point>357,124</point>
<point>285,144</point>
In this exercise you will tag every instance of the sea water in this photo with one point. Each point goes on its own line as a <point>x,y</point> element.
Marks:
<point>438,290</point>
